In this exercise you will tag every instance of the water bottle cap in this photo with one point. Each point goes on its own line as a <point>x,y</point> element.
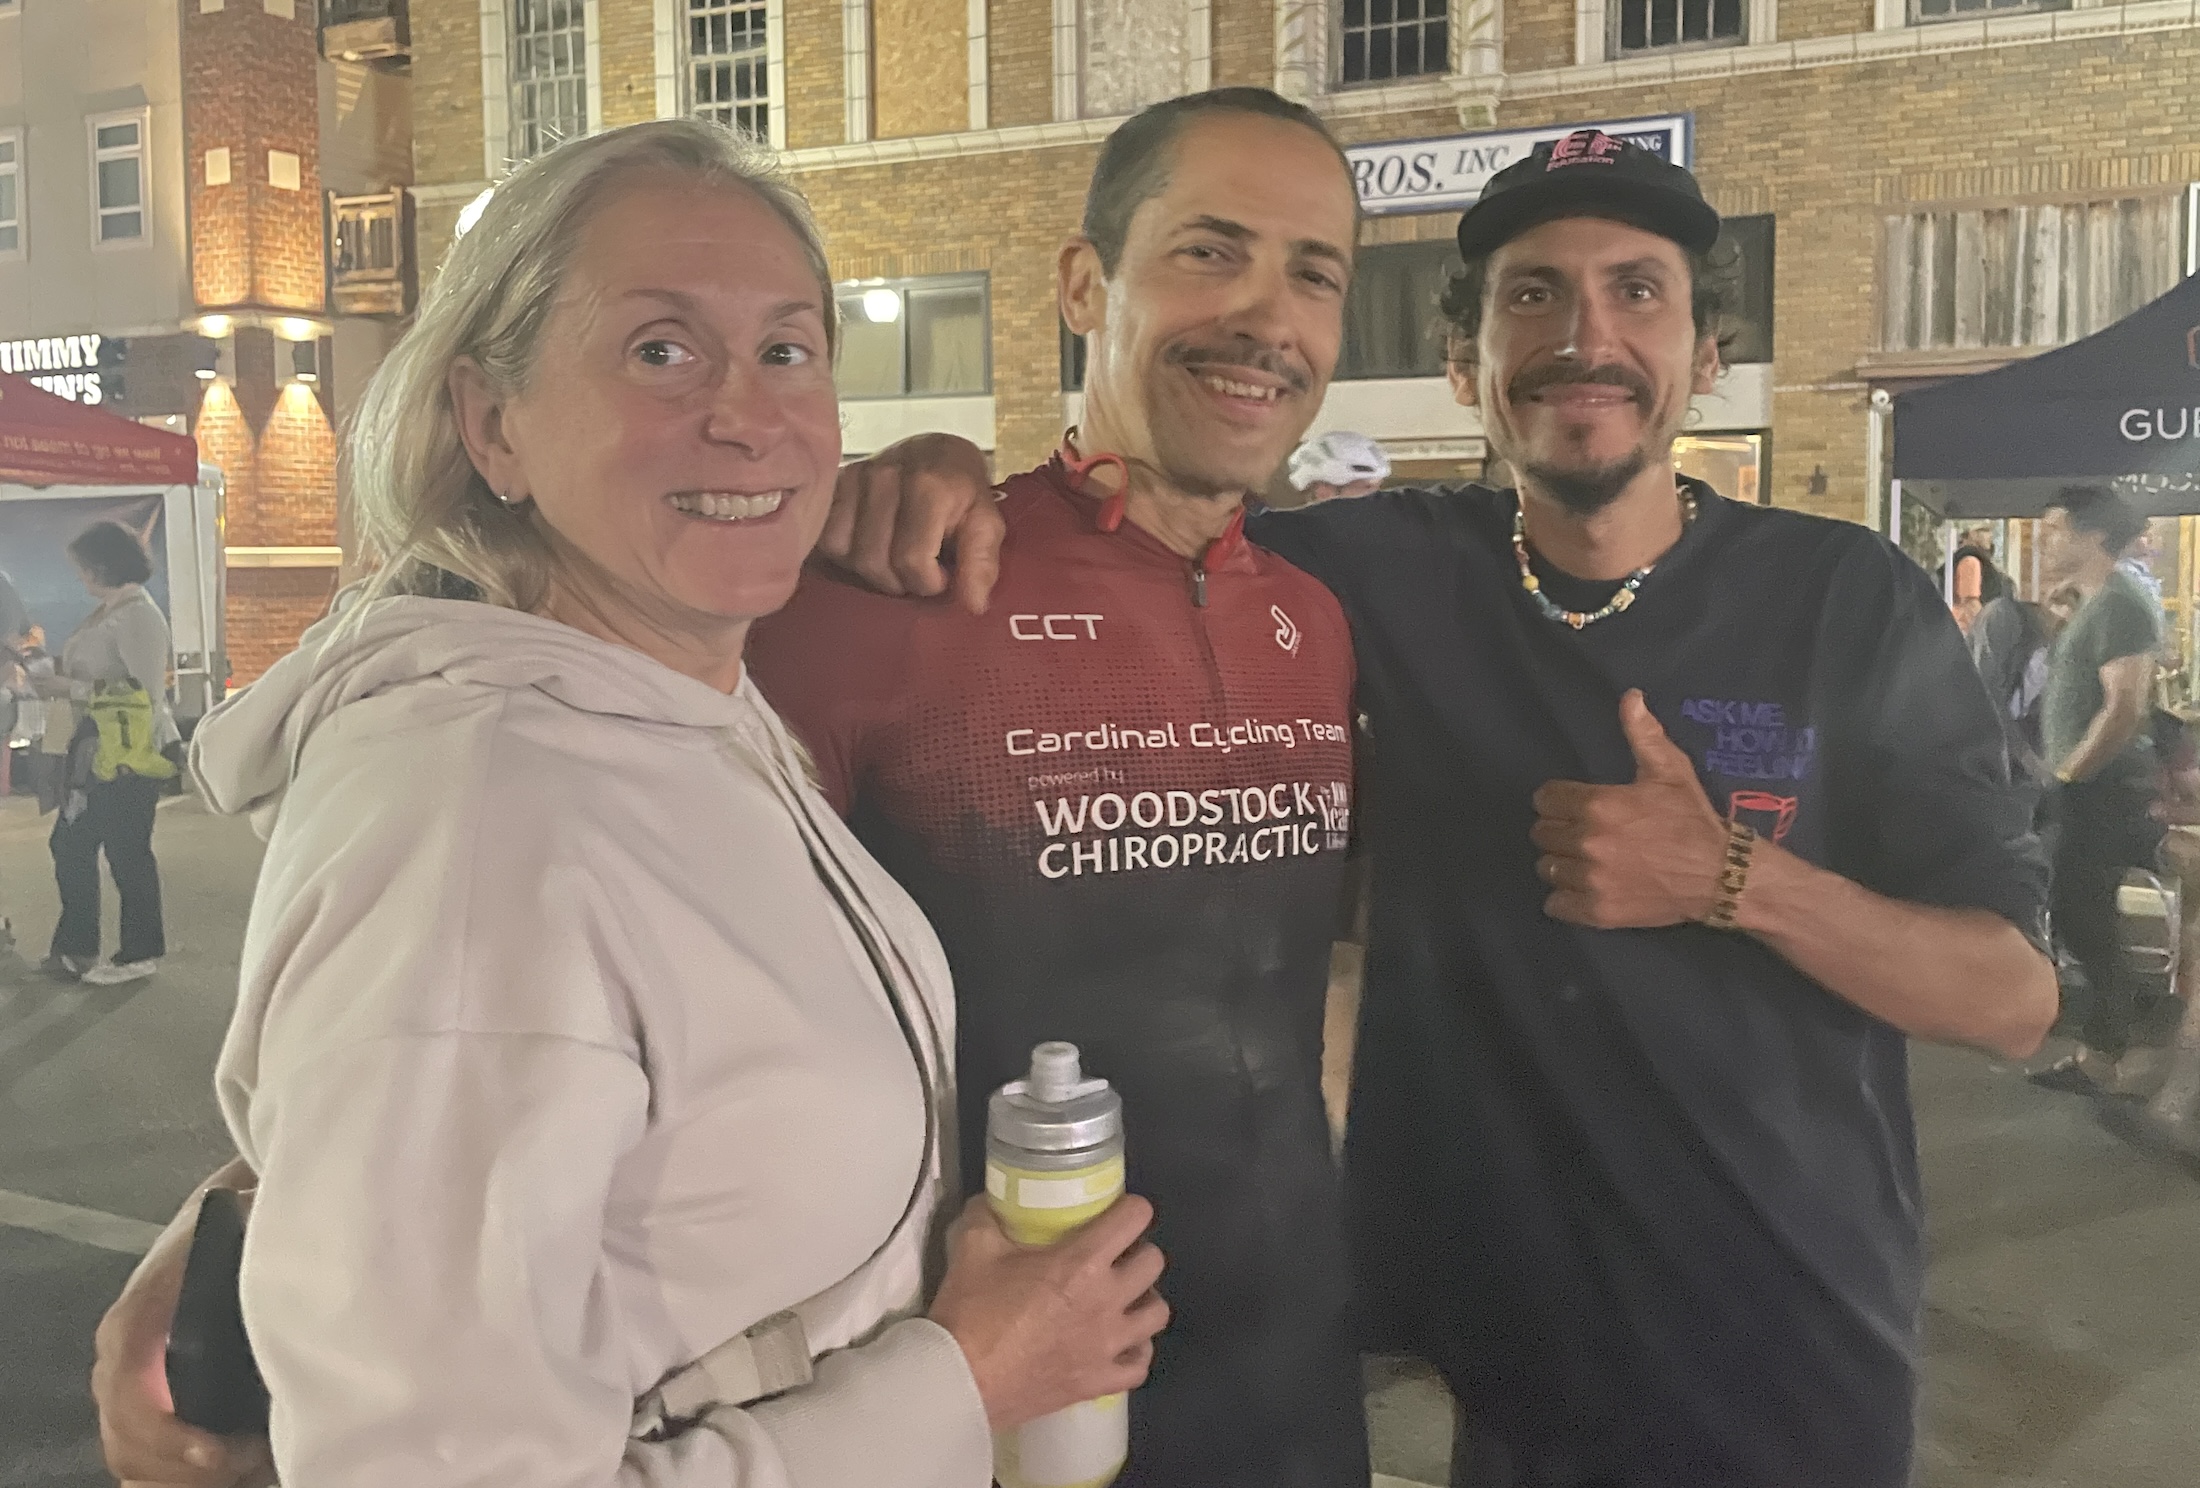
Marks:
<point>1055,1108</point>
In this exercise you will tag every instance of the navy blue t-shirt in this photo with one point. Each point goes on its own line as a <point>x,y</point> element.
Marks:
<point>1650,1198</point>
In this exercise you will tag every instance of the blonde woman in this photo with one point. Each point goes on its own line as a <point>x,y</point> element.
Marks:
<point>576,1036</point>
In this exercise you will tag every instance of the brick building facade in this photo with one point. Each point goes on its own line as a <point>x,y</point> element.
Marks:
<point>1897,165</point>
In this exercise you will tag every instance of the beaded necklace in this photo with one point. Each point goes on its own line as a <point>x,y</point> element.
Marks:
<point>1628,586</point>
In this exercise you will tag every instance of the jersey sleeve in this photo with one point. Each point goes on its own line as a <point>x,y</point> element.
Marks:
<point>834,664</point>
<point>1940,821</point>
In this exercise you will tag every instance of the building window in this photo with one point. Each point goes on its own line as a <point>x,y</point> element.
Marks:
<point>549,75</point>
<point>1745,252</point>
<point>915,338</point>
<point>728,74</point>
<point>1391,324</point>
<point>11,193</point>
<point>2024,275</point>
<point>1378,40</point>
<point>118,178</point>
<point>1922,11</point>
<point>1652,25</point>
<point>369,254</point>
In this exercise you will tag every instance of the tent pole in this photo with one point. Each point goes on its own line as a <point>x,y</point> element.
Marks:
<point>1894,511</point>
<point>1948,563</point>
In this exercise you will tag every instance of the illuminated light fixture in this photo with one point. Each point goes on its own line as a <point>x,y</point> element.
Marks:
<point>470,214</point>
<point>215,327</point>
<point>882,306</point>
<point>293,328</point>
<point>206,360</point>
<point>305,361</point>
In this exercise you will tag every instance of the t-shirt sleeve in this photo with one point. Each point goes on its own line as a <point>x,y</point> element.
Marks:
<point>833,663</point>
<point>1936,818</point>
<point>2129,624</point>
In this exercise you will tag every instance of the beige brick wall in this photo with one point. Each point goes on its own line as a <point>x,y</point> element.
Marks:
<point>1828,150</point>
<point>816,79</point>
<point>920,67</point>
<point>900,220</point>
<point>1021,56</point>
<point>1245,43</point>
<point>1802,19</point>
<point>629,61</point>
<point>446,71</point>
<point>1538,34</point>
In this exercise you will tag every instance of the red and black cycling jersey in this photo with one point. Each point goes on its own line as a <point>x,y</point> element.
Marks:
<point>1123,797</point>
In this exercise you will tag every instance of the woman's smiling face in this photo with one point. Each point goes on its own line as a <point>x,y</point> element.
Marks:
<point>679,434</point>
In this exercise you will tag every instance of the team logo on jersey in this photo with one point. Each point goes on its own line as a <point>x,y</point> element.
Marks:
<point>1055,627</point>
<point>1287,630</point>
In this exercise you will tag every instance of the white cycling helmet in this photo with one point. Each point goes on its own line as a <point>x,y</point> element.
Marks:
<point>1338,459</point>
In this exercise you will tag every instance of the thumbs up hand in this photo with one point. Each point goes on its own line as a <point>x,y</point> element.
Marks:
<point>1631,857</point>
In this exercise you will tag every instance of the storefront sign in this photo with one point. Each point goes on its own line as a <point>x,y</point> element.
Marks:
<point>66,365</point>
<point>1439,175</point>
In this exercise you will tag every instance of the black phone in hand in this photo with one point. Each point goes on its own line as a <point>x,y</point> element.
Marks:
<point>212,1375</point>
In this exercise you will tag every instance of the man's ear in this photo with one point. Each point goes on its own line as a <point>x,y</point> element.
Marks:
<point>1706,371</point>
<point>1463,389</point>
<point>480,410</point>
<point>1083,286</point>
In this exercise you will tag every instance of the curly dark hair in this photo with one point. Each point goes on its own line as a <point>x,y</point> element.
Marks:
<point>112,555</point>
<point>1715,281</point>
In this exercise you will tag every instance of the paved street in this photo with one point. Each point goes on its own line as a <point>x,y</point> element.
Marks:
<point>2064,1326</point>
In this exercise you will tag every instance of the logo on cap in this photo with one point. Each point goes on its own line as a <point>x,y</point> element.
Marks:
<point>1584,147</point>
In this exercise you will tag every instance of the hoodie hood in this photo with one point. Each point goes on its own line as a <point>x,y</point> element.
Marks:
<point>245,752</point>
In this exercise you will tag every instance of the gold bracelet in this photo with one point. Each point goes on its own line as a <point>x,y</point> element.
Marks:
<point>1741,843</point>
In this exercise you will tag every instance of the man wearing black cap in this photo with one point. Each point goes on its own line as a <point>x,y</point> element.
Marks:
<point>1684,814</point>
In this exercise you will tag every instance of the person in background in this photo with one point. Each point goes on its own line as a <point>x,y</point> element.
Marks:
<point>1337,464</point>
<point>2100,679</point>
<point>2009,642</point>
<point>114,676</point>
<point>1978,584</point>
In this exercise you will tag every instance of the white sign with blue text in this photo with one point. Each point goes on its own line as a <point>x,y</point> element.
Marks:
<point>1438,175</point>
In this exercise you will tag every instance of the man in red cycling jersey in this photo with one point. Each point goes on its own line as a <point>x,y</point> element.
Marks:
<point>1123,793</point>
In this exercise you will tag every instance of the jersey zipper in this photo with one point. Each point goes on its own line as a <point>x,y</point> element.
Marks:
<point>1199,585</point>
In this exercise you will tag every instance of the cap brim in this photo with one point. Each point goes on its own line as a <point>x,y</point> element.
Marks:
<point>1495,221</point>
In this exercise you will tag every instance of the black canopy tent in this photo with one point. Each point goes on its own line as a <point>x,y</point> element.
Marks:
<point>2122,405</point>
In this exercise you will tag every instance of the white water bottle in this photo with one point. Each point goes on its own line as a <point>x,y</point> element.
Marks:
<point>1054,1159</point>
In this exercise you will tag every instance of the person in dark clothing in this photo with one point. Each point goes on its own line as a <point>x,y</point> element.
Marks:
<point>2099,684</point>
<point>2009,646</point>
<point>1684,814</point>
<point>1977,584</point>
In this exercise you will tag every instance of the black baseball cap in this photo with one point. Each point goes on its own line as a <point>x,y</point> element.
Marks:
<point>1589,169</point>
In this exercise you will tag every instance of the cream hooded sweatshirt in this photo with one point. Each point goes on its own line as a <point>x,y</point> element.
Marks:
<point>561,1065</point>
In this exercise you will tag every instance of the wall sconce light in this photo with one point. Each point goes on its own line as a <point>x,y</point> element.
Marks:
<point>1818,480</point>
<point>206,359</point>
<point>305,361</point>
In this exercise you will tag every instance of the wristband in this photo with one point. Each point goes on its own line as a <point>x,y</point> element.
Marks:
<point>1741,844</point>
